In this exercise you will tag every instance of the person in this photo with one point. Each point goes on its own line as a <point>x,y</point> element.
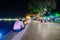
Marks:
<point>18,25</point>
<point>41,20</point>
<point>25,22</point>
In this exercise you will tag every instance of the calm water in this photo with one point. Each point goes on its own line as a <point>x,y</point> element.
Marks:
<point>6,26</point>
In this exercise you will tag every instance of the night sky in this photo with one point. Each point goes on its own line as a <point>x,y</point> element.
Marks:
<point>17,8</point>
<point>13,8</point>
<point>58,5</point>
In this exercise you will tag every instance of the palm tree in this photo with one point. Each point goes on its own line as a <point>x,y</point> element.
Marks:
<point>41,6</point>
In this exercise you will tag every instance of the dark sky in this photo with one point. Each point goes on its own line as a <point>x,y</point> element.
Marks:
<point>58,5</point>
<point>13,8</point>
<point>17,8</point>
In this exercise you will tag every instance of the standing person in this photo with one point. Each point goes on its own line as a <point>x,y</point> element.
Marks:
<point>18,25</point>
<point>41,20</point>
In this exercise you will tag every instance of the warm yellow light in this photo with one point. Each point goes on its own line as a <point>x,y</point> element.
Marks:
<point>27,16</point>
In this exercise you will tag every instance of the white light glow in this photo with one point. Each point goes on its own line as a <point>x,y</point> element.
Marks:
<point>8,19</point>
<point>45,9</point>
